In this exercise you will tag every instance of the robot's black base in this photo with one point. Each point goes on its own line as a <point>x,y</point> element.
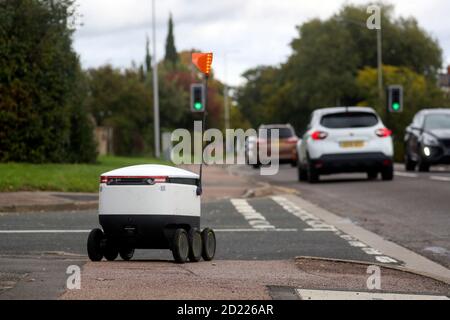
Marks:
<point>124,233</point>
<point>146,231</point>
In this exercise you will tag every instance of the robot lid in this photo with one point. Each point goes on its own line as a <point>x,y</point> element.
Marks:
<point>150,170</point>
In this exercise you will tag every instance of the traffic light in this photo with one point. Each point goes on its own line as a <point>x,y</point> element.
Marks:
<point>198,98</point>
<point>395,99</point>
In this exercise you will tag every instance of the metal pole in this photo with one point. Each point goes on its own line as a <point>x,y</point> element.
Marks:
<point>155,89</point>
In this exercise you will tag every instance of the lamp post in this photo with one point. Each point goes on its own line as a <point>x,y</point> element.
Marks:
<point>155,89</point>
<point>380,64</point>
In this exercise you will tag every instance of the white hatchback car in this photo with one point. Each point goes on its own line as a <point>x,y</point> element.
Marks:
<point>344,140</point>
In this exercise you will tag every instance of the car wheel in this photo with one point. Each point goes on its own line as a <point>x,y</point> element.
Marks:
<point>126,254</point>
<point>372,175</point>
<point>94,245</point>
<point>302,173</point>
<point>209,244</point>
<point>111,253</point>
<point>388,173</point>
<point>424,167</point>
<point>195,245</point>
<point>410,165</point>
<point>312,174</point>
<point>257,165</point>
<point>180,246</point>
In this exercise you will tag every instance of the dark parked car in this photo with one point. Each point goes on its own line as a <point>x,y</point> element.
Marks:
<point>427,140</point>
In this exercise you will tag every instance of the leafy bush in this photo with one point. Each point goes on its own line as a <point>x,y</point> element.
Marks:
<point>41,115</point>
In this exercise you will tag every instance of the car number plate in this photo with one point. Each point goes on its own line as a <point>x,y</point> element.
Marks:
<point>352,144</point>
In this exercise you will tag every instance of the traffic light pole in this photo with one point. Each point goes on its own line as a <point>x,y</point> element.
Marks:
<point>205,114</point>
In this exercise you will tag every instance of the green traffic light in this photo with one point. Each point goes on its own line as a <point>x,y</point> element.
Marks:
<point>396,106</point>
<point>198,106</point>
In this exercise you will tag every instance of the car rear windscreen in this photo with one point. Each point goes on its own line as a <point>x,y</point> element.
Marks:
<point>284,133</point>
<point>349,120</point>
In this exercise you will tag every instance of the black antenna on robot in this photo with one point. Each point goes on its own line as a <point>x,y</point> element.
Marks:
<point>205,114</point>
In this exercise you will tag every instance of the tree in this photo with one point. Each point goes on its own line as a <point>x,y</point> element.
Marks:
<point>405,43</point>
<point>326,58</point>
<point>148,59</point>
<point>39,72</point>
<point>121,100</point>
<point>83,148</point>
<point>171,52</point>
<point>419,93</point>
<point>254,98</point>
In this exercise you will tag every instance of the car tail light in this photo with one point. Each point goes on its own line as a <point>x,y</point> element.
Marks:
<point>103,179</point>
<point>262,140</point>
<point>383,132</point>
<point>292,140</point>
<point>319,135</point>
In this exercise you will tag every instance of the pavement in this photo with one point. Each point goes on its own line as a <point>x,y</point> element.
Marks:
<point>236,280</point>
<point>270,246</point>
<point>46,201</point>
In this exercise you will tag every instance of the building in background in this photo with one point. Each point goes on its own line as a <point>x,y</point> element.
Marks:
<point>444,81</point>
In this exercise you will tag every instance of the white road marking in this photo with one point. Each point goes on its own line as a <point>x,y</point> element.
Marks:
<point>318,225</point>
<point>315,223</point>
<point>406,174</point>
<point>256,230</point>
<point>438,178</point>
<point>254,218</point>
<point>354,295</point>
<point>41,231</point>
<point>87,231</point>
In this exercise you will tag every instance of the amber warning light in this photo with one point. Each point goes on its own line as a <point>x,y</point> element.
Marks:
<point>203,62</point>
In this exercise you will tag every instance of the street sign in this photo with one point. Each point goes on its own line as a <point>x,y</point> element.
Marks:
<point>395,99</point>
<point>198,98</point>
<point>203,62</point>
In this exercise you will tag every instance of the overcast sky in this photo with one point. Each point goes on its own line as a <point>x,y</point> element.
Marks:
<point>247,32</point>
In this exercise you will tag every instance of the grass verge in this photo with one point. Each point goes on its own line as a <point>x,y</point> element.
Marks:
<point>62,177</point>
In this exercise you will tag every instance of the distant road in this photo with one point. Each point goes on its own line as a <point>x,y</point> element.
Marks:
<point>413,210</point>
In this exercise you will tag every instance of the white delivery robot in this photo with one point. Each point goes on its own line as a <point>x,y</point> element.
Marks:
<point>150,207</point>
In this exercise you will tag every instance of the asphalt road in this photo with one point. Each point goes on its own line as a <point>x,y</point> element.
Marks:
<point>276,234</point>
<point>413,210</point>
<point>36,248</point>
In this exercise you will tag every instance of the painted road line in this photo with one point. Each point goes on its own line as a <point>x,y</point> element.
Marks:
<point>438,178</point>
<point>406,174</point>
<point>254,218</point>
<point>317,224</point>
<point>354,295</point>
<point>42,231</point>
<point>255,230</point>
<point>87,231</point>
